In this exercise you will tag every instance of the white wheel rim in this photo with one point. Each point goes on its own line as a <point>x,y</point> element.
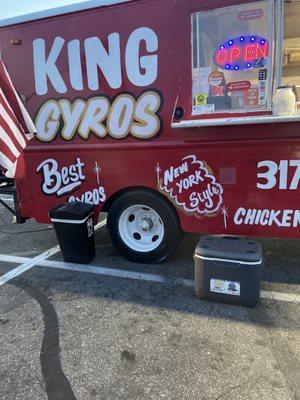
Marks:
<point>141,228</point>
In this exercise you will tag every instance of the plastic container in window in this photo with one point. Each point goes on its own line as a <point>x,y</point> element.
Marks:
<point>284,101</point>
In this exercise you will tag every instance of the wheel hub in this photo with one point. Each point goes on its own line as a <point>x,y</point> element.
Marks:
<point>146,224</point>
<point>141,228</point>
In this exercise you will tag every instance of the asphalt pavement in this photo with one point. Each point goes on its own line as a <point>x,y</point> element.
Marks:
<point>115,331</point>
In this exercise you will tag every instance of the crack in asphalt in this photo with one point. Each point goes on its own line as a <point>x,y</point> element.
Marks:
<point>57,384</point>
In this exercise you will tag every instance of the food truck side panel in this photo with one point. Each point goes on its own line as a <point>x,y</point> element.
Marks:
<point>237,179</point>
<point>233,205</point>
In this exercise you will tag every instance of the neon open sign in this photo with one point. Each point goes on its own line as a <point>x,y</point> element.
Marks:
<point>242,53</point>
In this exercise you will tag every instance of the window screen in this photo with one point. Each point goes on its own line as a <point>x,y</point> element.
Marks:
<point>232,59</point>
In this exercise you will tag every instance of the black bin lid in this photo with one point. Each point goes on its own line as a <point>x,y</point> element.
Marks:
<point>73,211</point>
<point>229,248</point>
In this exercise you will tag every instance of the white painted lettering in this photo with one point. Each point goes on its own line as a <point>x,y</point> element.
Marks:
<point>96,111</point>
<point>146,123</point>
<point>120,117</point>
<point>169,176</point>
<point>75,68</point>
<point>47,121</point>
<point>61,182</point>
<point>296,219</point>
<point>241,212</point>
<point>250,217</point>
<point>46,68</point>
<point>273,218</point>
<point>71,115</point>
<point>286,218</point>
<point>270,218</point>
<point>100,60</point>
<point>264,217</point>
<point>87,117</point>
<point>109,62</point>
<point>135,63</point>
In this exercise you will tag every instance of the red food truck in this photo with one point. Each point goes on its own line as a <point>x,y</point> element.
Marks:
<point>160,114</point>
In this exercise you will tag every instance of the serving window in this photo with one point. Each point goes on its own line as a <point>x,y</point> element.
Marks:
<point>233,59</point>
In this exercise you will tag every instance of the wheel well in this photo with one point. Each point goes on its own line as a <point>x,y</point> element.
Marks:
<point>109,202</point>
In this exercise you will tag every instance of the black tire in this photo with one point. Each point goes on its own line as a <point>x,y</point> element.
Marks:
<point>167,216</point>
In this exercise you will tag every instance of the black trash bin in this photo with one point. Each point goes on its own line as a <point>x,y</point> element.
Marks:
<point>228,269</point>
<point>74,227</point>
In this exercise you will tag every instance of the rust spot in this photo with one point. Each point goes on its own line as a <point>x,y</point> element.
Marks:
<point>15,41</point>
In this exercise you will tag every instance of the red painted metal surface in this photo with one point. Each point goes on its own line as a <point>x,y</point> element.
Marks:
<point>213,176</point>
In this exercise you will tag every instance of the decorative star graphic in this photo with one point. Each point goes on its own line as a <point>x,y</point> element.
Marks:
<point>158,170</point>
<point>97,170</point>
<point>224,212</point>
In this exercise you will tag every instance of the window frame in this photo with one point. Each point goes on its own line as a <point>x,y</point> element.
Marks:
<point>271,78</point>
<point>278,67</point>
<point>247,118</point>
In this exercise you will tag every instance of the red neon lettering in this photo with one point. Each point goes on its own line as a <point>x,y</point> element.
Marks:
<point>262,51</point>
<point>235,53</point>
<point>242,53</point>
<point>222,57</point>
<point>250,52</point>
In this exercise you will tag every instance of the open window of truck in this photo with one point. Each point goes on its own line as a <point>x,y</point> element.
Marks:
<point>240,55</point>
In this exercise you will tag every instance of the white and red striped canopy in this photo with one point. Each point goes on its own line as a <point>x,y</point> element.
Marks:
<point>16,126</point>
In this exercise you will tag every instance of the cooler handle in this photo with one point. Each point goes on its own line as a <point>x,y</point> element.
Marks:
<point>224,262</point>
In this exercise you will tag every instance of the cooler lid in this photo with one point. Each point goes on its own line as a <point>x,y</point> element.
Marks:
<point>229,248</point>
<point>72,211</point>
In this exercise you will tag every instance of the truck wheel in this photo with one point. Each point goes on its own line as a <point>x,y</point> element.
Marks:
<point>143,227</point>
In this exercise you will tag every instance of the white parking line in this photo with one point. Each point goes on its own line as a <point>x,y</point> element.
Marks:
<point>119,273</point>
<point>279,296</point>
<point>32,262</point>
<point>7,199</point>
<point>14,259</point>
<point>28,265</point>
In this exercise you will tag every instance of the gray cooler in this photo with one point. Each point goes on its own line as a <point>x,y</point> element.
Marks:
<point>228,269</point>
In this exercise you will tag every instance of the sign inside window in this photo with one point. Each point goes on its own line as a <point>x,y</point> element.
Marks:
<point>242,52</point>
<point>232,65</point>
